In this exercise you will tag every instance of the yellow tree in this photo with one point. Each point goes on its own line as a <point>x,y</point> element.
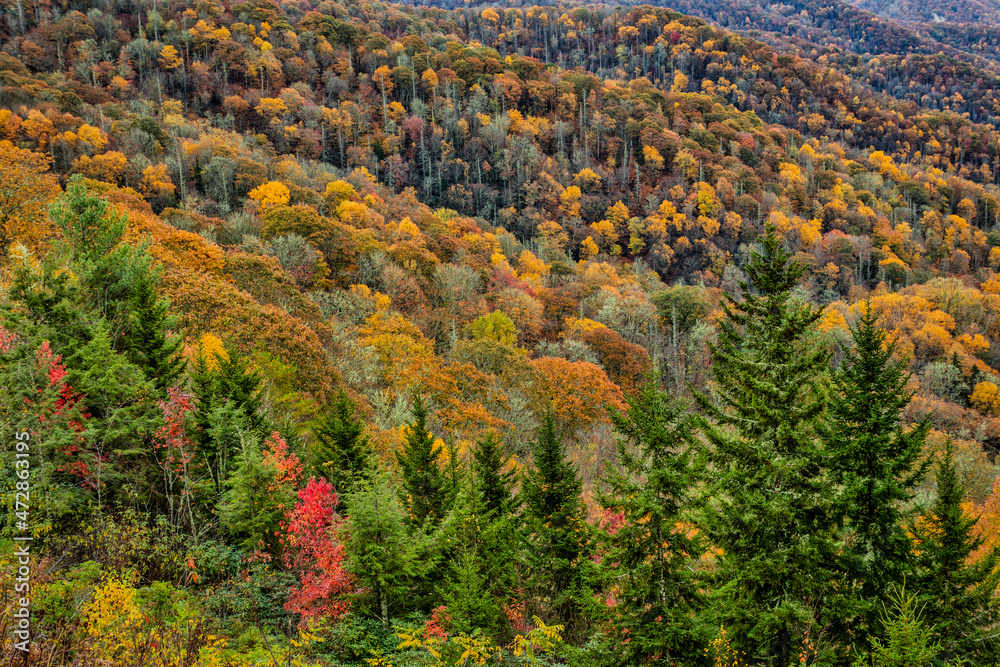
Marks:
<point>25,190</point>
<point>272,193</point>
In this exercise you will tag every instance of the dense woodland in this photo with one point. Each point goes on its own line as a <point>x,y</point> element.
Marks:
<point>372,334</point>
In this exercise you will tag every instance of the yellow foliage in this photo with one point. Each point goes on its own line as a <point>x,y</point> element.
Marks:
<point>652,157</point>
<point>272,193</point>
<point>169,58</point>
<point>25,191</point>
<point>986,398</point>
<point>156,181</point>
<point>576,327</point>
<point>337,192</point>
<point>107,167</point>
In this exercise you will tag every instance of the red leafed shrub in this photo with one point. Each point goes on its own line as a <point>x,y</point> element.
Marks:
<point>313,550</point>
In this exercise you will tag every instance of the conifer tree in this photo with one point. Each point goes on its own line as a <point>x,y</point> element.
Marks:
<point>149,346</point>
<point>557,534</point>
<point>381,557</point>
<point>423,482</point>
<point>959,596</point>
<point>770,511</point>
<point>493,483</point>
<point>92,233</point>
<point>341,453</point>
<point>649,555</point>
<point>876,463</point>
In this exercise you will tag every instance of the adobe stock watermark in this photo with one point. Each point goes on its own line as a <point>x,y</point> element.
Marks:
<point>22,550</point>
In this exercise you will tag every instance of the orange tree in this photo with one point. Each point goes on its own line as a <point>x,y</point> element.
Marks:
<point>25,190</point>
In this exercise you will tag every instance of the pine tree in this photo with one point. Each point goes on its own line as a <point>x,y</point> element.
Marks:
<point>493,483</point>
<point>960,597</point>
<point>909,642</point>
<point>341,453</point>
<point>148,344</point>
<point>556,531</point>
<point>650,554</point>
<point>876,463</point>
<point>423,481</point>
<point>770,511</point>
<point>381,557</point>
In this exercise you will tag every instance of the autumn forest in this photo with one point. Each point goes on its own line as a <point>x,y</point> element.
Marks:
<point>346,333</point>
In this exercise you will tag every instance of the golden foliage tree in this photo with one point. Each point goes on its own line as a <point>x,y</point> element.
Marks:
<point>25,190</point>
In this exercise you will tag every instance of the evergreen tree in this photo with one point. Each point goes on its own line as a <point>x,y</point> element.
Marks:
<point>649,555</point>
<point>92,233</point>
<point>341,452</point>
<point>960,596</point>
<point>493,483</point>
<point>381,557</point>
<point>474,586</point>
<point>876,463</point>
<point>909,642</point>
<point>149,346</point>
<point>770,512</point>
<point>557,533</point>
<point>423,482</point>
<point>227,409</point>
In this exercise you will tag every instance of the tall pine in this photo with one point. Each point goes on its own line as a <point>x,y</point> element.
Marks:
<point>341,452</point>
<point>558,536</point>
<point>959,597</point>
<point>493,483</point>
<point>149,346</point>
<point>876,463</point>
<point>770,511</point>
<point>650,554</point>
<point>423,482</point>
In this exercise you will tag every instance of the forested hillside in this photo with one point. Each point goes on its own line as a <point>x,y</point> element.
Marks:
<point>372,334</point>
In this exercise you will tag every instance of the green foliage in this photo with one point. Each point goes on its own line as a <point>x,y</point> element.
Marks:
<point>681,305</point>
<point>149,346</point>
<point>909,642</point>
<point>423,482</point>
<point>770,511</point>
<point>381,556</point>
<point>254,502</point>
<point>959,596</point>
<point>650,553</point>
<point>92,233</point>
<point>492,482</point>
<point>876,463</point>
<point>557,536</point>
<point>341,452</point>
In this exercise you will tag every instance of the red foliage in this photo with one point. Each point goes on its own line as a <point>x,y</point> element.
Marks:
<point>60,406</point>
<point>312,550</point>
<point>172,436</point>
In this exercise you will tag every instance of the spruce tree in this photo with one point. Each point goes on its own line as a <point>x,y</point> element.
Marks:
<point>423,482</point>
<point>770,511</point>
<point>876,463</point>
<point>341,452</point>
<point>649,556</point>
<point>381,557</point>
<point>959,596</point>
<point>493,483</point>
<point>148,344</point>
<point>557,534</point>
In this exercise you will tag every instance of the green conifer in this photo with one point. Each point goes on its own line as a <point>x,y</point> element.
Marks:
<point>876,463</point>
<point>556,531</point>
<point>341,452</point>
<point>493,483</point>
<point>960,597</point>
<point>423,481</point>
<point>649,552</point>
<point>771,510</point>
<point>149,346</point>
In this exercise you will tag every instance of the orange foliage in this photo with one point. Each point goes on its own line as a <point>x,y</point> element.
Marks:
<point>579,392</point>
